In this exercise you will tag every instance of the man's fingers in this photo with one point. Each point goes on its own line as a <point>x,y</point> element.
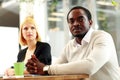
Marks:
<point>32,70</point>
<point>33,57</point>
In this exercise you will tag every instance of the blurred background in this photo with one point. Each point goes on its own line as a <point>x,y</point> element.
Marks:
<point>50,15</point>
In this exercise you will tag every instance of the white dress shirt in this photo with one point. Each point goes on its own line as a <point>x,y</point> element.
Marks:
<point>95,56</point>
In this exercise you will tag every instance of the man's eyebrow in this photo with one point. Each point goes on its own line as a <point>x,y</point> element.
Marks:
<point>78,17</point>
<point>81,17</point>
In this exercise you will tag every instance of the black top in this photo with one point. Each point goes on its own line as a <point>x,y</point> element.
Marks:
<point>42,52</point>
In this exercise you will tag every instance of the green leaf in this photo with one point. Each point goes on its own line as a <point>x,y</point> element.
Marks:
<point>114,3</point>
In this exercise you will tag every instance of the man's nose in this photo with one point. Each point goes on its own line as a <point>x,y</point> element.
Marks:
<point>76,23</point>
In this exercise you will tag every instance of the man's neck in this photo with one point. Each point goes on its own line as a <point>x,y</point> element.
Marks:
<point>78,40</point>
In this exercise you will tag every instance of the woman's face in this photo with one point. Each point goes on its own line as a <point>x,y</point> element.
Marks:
<point>29,32</point>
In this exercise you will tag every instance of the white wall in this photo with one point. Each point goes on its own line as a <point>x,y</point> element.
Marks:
<point>8,47</point>
<point>57,42</point>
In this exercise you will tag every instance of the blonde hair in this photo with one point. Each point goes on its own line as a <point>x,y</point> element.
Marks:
<point>31,20</point>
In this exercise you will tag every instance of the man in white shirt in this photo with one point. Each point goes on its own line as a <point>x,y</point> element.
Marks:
<point>91,51</point>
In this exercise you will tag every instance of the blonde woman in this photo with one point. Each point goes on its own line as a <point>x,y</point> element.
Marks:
<point>29,36</point>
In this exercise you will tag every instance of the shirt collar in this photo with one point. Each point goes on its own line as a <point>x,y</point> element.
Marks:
<point>87,37</point>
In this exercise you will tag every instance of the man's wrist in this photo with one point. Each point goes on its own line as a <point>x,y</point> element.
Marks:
<point>45,69</point>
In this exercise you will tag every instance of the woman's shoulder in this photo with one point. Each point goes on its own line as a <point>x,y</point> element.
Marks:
<point>43,43</point>
<point>22,50</point>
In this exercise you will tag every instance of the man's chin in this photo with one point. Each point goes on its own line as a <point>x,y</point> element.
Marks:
<point>79,36</point>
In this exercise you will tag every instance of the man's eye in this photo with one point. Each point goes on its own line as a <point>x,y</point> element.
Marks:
<point>81,19</point>
<point>71,21</point>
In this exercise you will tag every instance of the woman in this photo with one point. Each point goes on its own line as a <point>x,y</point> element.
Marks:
<point>29,36</point>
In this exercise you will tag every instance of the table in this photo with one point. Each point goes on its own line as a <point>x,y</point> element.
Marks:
<point>51,77</point>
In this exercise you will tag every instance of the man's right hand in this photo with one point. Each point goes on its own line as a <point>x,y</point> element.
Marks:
<point>34,66</point>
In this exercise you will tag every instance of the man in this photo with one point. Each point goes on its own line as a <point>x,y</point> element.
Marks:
<point>91,51</point>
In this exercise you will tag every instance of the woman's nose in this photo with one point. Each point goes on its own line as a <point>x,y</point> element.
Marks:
<point>29,30</point>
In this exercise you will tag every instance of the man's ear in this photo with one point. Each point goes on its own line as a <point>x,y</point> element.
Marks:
<point>90,21</point>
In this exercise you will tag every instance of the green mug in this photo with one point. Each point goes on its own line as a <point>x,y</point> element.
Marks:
<point>19,68</point>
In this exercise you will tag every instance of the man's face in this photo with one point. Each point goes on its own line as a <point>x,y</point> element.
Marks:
<point>78,23</point>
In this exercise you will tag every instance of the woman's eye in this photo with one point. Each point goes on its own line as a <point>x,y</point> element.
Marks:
<point>25,28</point>
<point>32,27</point>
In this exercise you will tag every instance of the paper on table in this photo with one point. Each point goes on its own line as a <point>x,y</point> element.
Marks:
<point>28,75</point>
<point>13,77</point>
